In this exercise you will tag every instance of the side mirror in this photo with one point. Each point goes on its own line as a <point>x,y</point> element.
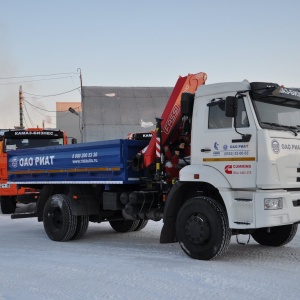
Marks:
<point>231,107</point>
<point>74,141</point>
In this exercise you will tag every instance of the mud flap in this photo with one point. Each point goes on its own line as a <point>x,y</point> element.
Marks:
<point>168,232</point>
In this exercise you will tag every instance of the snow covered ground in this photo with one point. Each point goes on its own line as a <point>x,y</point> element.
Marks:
<point>109,265</point>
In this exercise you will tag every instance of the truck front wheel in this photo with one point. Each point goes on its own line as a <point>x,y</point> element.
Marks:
<point>275,236</point>
<point>8,204</point>
<point>59,223</point>
<point>202,228</point>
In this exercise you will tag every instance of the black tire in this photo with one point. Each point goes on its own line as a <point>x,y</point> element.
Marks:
<point>202,228</point>
<point>59,223</point>
<point>275,236</point>
<point>81,228</point>
<point>142,224</point>
<point>8,205</point>
<point>124,225</point>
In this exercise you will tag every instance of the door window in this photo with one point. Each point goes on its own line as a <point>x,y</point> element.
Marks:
<point>218,120</point>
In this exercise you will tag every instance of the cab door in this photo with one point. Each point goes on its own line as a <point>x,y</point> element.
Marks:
<point>221,144</point>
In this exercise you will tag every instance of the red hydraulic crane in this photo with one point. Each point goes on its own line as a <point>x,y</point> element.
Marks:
<point>171,115</point>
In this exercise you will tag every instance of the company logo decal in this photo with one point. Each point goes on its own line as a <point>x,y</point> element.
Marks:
<point>275,146</point>
<point>46,160</point>
<point>238,169</point>
<point>228,169</point>
<point>14,163</point>
<point>216,146</point>
<point>171,119</point>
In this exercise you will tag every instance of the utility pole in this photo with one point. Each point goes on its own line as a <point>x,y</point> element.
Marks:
<point>80,77</point>
<point>81,128</point>
<point>21,107</point>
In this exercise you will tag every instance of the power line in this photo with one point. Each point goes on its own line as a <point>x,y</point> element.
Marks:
<point>30,76</point>
<point>26,123</point>
<point>39,107</point>
<point>58,117</point>
<point>27,116</point>
<point>44,96</point>
<point>46,109</point>
<point>21,82</point>
<point>35,109</point>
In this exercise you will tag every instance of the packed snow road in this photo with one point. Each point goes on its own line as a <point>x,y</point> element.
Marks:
<point>109,265</point>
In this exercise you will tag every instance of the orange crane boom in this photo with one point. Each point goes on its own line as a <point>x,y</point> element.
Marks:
<point>172,112</point>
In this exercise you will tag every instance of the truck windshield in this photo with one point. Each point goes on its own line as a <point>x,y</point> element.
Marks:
<point>22,143</point>
<point>278,113</point>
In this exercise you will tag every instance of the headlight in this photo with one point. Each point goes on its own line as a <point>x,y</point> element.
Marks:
<point>273,203</point>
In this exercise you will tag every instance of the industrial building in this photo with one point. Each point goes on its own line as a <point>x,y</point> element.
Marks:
<point>69,122</point>
<point>112,112</point>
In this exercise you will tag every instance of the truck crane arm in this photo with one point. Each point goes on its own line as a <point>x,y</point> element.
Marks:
<point>172,114</point>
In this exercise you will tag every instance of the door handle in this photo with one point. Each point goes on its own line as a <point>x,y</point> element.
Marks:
<point>206,150</point>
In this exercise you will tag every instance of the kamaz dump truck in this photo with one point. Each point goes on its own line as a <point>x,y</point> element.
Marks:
<point>13,139</point>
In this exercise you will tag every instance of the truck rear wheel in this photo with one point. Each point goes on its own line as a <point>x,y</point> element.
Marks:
<point>8,204</point>
<point>275,236</point>
<point>124,225</point>
<point>59,223</point>
<point>202,228</point>
<point>142,224</point>
<point>81,228</point>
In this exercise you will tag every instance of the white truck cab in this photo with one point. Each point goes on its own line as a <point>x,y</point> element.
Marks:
<point>258,177</point>
<point>245,156</point>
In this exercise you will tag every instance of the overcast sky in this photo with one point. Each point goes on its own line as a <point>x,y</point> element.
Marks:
<point>138,43</point>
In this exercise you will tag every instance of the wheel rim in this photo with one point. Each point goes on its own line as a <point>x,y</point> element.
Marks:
<point>56,218</point>
<point>197,229</point>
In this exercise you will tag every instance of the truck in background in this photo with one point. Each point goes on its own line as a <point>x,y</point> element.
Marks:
<point>222,161</point>
<point>13,139</point>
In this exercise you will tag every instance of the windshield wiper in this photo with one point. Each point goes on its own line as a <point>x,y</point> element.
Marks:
<point>293,129</point>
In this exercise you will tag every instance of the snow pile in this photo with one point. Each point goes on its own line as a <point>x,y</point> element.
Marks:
<point>109,265</point>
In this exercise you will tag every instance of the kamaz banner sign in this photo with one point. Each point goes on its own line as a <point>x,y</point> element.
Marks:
<point>30,133</point>
<point>264,89</point>
<point>289,92</point>
<point>286,93</point>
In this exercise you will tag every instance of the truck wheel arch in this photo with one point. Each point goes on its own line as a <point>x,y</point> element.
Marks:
<point>46,192</point>
<point>181,192</point>
<point>86,202</point>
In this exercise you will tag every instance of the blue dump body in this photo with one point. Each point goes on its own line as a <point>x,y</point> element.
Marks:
<point>95,162</point>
